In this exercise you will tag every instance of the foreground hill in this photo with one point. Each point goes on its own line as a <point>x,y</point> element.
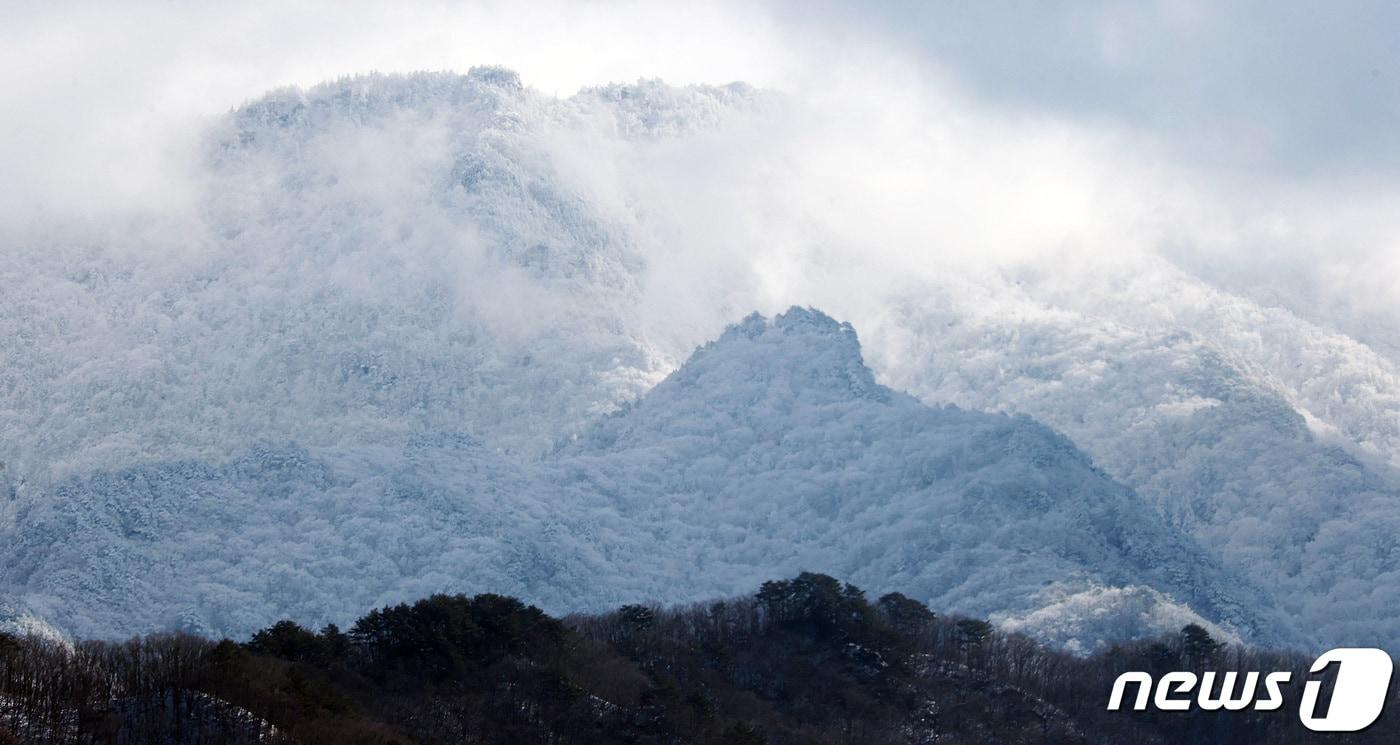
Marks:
<point>805,661</point>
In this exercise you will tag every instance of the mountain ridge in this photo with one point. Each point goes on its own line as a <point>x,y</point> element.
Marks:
<point>771,450</point>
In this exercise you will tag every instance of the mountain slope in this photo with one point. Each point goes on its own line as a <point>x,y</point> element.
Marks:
<point>1193,420</point>
<point>286,531</point>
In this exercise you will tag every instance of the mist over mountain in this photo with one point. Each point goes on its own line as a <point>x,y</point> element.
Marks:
<point>417,337</point>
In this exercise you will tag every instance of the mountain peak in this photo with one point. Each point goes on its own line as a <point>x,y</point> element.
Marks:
<point>795,320</point>
<point>501,77</point>
<point>757,372</point>
<point>802,345</point>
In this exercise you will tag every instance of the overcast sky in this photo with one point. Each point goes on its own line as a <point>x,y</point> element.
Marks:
<point>1280,120</point>
<point>1292,86</point>
<point>1303,90</point>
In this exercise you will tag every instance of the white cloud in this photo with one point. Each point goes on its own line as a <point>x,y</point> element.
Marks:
<point>1254,143</point>
<point>100,102</point>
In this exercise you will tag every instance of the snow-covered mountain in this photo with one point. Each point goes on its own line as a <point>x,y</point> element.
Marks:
<point>373,258</point>
<point>1229,417</point>
<point>771,451</point>
<point>774,446</point>
<point>389,341</point>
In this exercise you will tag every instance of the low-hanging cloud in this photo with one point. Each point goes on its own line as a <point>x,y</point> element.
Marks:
<point>1251,146</point>
<point>1255,142</point>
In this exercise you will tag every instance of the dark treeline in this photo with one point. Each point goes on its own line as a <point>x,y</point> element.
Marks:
<point>804,661</point>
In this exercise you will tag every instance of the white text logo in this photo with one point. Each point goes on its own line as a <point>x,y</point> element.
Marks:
<point>1358,694</point>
